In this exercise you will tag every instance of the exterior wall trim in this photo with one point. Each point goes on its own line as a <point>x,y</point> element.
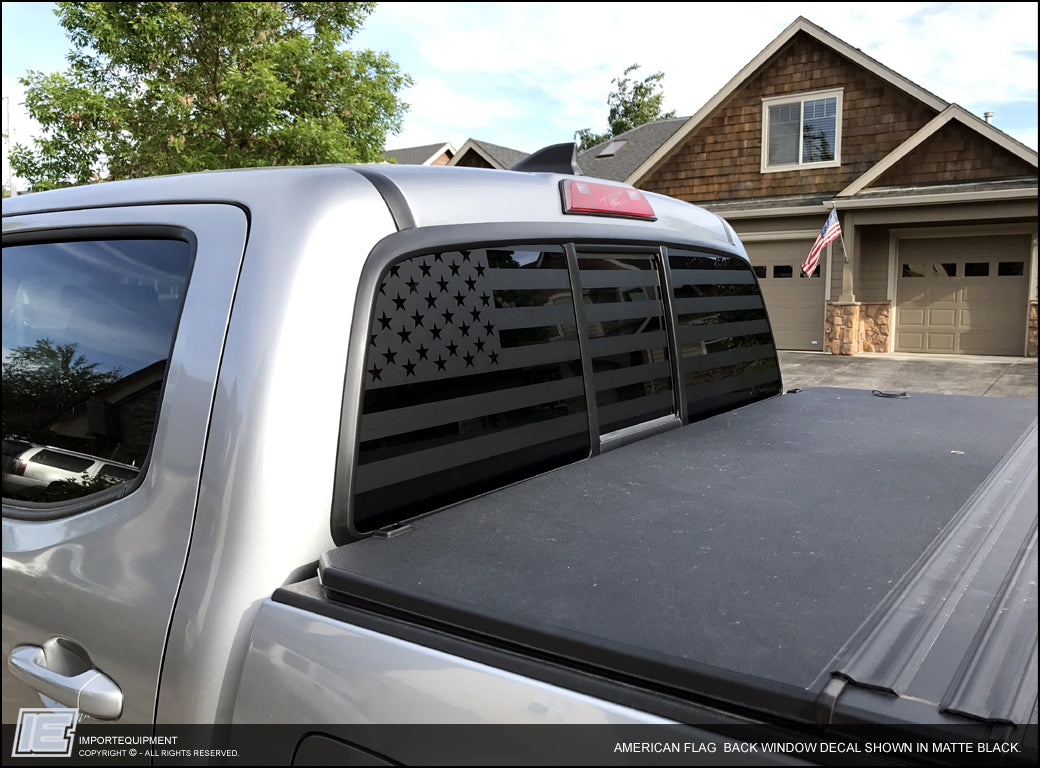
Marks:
<point>1033,267</point>
<point>946,198</point>
<point>785,234</point>
<point>769,213</point>
<point>938,199</point>
<point>893,262</point>
<point>982,230</point>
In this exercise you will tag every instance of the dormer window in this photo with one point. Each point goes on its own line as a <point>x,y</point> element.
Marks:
<point>802,131</point>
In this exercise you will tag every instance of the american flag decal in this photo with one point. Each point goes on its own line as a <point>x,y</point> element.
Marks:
<point>434,319</point>
<point>472,374</point>
<point>726,348</point>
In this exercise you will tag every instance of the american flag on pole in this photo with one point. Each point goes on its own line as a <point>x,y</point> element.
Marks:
<point>831,231</point>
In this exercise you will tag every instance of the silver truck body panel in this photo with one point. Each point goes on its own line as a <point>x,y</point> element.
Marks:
<point>300,667</point>
<point>107,578</point>
<point>266,491</point>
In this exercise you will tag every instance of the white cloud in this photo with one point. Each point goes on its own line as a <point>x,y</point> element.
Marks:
<point>435,111</point>
<point>547,67</point>
<point>529,74</point>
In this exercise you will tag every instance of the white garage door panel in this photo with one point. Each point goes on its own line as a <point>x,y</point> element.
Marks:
<point>977,293</point>
<point>913,316</point>
<point>795,304</point>
<point>962,295</point>
<point>941,342</point>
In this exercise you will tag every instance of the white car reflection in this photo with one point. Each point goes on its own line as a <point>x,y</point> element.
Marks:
<point>35,472</point>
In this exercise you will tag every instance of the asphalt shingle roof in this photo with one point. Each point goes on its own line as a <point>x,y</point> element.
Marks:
<point>640,142</point>
<point>504,156</point>
<point>413,155</point>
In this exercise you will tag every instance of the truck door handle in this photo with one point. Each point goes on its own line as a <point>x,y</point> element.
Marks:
<point>62,671</point>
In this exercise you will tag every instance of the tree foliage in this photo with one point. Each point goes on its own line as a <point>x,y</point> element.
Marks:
<point>42,381</point>
<point>632,103</point>
<point>166,87</point>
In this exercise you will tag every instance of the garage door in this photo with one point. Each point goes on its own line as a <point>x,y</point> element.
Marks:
<point>795,303</point>
<point>962,295</point>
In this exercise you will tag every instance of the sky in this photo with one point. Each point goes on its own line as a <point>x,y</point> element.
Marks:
<point>526,75</point>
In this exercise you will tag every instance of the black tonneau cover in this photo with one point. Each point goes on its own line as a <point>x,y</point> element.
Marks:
<point>744,558</point>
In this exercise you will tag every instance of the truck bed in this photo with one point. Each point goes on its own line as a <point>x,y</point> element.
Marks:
<point>752,560</point>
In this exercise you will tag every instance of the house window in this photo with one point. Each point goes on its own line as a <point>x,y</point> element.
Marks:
<point>802,131</point>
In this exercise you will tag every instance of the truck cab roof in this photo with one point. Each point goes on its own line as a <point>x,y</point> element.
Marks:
<point>418,196</point>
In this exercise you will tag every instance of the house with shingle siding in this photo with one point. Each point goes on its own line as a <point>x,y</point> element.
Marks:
<point>938,208</point>
<point>429,154</point>
<point>484,154</point>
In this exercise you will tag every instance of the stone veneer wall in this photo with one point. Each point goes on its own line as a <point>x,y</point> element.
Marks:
<point>1031,343</point>
<point>874,326</point>
<point>842,329</point>
<point>857,327</point>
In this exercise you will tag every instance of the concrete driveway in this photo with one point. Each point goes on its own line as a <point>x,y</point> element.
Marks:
<point>940,374</point>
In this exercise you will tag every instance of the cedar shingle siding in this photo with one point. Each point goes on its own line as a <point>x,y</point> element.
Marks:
<point>722,159</point>
<point>954,154</point>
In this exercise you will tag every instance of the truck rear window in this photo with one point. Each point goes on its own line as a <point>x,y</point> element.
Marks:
<point>726,346</point>
<point>628,340</point>
<point>473,379</point>
<point>481,370</point>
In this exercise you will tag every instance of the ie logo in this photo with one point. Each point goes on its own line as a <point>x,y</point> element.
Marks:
<point>45,732</point>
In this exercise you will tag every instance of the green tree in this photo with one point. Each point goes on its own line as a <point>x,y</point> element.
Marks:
<point>160,88</point>
<point>632,103</point>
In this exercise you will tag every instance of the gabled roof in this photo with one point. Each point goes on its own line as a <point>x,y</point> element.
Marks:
<point>953,112</point>
<point>424,155</point>
<point>639,143</point>
<point>495,155</point>
<point>800,24</point>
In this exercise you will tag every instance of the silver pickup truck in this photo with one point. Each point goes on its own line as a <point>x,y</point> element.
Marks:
<point>430,446</point>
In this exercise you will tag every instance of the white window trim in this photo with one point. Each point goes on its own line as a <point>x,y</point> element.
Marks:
<point>801,98</point>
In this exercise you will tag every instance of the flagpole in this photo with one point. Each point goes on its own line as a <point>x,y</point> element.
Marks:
<point>841,235</point>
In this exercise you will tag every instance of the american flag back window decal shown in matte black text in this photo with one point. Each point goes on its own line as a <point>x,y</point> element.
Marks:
<point>473,379</point>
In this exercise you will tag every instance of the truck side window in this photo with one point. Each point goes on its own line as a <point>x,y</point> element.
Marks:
<point>473,379</point>
<point>87,332</point>
<point>727,354</point>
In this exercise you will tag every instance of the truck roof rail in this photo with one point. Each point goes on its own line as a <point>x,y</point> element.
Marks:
<point>556,158</point>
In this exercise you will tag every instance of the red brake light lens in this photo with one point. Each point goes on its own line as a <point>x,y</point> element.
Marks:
<point>598,199</point>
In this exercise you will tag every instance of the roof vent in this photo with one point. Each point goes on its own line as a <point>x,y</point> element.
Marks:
<point>989,117</point>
